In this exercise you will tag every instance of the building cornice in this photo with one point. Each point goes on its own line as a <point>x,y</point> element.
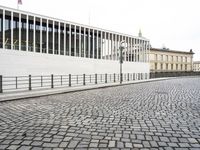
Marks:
<point>171,51</point>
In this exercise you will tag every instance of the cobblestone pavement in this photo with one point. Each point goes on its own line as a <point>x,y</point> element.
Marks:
<point>155,115</point>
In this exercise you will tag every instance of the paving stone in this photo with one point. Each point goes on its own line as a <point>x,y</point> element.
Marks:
<point>192,140</point>
<point>72,144</point>
<point>111,144</point>
<point>25,148</point>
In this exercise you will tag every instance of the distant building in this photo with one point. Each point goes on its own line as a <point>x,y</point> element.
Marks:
<point>165,60</point>
<point>196,66</point>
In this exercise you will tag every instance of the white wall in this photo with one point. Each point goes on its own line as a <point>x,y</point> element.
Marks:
<point>14,63</point>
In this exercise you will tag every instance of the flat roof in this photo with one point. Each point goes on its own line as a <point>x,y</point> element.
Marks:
<point>70,22</point>
<point>171,51</point>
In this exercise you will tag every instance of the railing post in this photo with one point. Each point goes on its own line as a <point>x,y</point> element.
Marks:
<point>61,80</point>
<point>95,78</point>
<point>16,83</point>
<point>114,78</point>
<point>106,78</point>
<point>121,78</point>
<point>83,79</point>
<point>70,83</point>
<point>41,81</point>
<point>1,84</point>
<point>29,85</point>
<point>128,76</point>
<point>52,86</point>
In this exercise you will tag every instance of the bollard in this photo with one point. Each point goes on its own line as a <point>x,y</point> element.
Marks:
<point>29,83</point>
<point>52,86</point>
<point>95,78</point>
<point>106,78</point>
<point>70,83</point>
<point>1,84</point>
<point>83,79</point>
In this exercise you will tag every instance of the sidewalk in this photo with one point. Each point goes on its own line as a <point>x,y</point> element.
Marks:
<point>61,90</point>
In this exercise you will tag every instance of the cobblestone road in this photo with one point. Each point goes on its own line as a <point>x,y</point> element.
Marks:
<point>154,115</point>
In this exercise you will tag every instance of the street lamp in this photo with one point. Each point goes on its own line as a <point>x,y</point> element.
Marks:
<point>121,59</point>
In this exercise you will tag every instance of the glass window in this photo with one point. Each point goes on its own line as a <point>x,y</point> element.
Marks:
<point>23,32</point>
<point>7,30</point>
<point>15,31</point>
<point>82,42</point>
<point>99,45</point>
<point>30,33</point>
<point>44,36</point>
<point>1,28</point>
<point>67,39</point>
<point>77,41</point>
<point>55,37</point>
<point>72,40</point>
<point>161,66</point>
<point>37,34</point>
<point>95,44</point>
<point>50,37</point>
<point>61,39</point>
<point>87,43</point>
<point>91,43</point>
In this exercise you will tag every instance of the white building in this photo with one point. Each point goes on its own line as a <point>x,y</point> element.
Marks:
<point>39,45</point>
<point>196,66</point>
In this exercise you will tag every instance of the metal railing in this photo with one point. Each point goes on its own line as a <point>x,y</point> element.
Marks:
<point>23,83</point>
<point>173,74</point>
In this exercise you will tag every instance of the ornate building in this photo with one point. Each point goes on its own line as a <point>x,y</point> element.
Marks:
<point>165,60</point>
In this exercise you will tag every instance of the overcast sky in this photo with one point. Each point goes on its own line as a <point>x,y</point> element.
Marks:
<point>174,24</point>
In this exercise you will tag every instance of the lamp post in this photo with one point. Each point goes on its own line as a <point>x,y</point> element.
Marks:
<point>121,60</point>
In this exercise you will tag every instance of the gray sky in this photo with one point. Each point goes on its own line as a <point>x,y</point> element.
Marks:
<point>174,24</point>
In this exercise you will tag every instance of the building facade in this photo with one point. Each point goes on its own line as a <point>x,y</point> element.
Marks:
<point>165,60</point>
<point>196,66</point>
<point>36,44</point>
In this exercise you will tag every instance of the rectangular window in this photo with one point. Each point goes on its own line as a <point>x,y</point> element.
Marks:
<point>30,33</point>
<point>77,40</point>
<point>82,42</point>
<point>23,32</point>
<point>37,34</point>
<point>86,42</point>
<point>15,31</point>
<point>161,66</point>
<point>67,39</point>
<point>44,36</point>
<point>55,37</point>
<point>61,39</point>
<point>72,40</point>
<point>50,37</point>
<point>7,30</point>
<point>155,66</point>
<point>1,28</point>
